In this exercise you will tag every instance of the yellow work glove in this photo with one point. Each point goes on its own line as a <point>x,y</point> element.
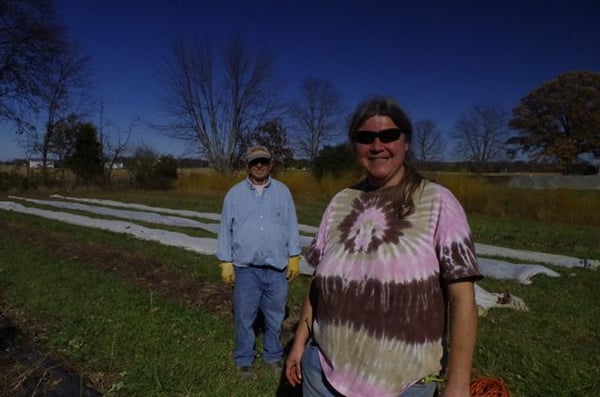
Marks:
<point>227,274</point>
<point>293,267</point>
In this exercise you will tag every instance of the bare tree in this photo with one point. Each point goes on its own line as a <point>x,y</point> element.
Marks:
<point>427,143</point>
<point>113,141</point>
<point>480,134</point>
<point>61,91</point>
<point>29,38</point>
<point>315,114</point>
<point>213,107</point>
<point>273,135</point>
<point>114,148</point>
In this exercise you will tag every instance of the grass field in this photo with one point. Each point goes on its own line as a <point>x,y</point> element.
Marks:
<point>141,319</point>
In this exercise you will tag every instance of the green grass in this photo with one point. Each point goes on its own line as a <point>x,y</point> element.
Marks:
<point>556,238</point>
<point>146,344</point>
<point>150,346</point>
<point>552,349</point>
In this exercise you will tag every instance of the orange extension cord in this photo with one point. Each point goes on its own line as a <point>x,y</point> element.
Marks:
<point>489,387</point>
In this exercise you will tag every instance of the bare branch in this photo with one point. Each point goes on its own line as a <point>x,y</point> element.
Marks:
<point>316,115</point>
<point>427,143</point>
<point>211,106</point>
<point>480,134</point>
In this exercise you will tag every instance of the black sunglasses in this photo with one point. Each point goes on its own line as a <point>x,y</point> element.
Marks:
<point>258,161</point>
<point>385,136</point>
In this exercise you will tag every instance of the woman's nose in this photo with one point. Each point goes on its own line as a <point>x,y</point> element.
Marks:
<point>376,146</point>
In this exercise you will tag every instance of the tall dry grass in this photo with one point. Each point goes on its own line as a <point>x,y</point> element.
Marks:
<point>204,181</point>
<point>482,195</point>
<point>477,194</point>
<point>302,184</point>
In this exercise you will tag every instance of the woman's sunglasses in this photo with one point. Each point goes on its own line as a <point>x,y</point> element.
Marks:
<point>385,136</point>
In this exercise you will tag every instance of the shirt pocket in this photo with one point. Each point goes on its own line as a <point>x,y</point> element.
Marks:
<point>279,216</point>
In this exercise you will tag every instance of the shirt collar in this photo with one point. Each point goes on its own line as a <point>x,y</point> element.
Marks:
<point>251,186</point>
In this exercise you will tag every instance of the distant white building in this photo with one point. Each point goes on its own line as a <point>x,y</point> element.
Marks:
<point>39,163</point>
<point>116,166</point>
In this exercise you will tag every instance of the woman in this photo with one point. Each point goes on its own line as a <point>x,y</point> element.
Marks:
<point>390,254</point>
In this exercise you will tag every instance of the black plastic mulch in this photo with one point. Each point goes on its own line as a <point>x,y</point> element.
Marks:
<point>27,372</point>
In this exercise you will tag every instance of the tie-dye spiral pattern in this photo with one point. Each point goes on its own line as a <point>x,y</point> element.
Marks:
<point>377,295</point>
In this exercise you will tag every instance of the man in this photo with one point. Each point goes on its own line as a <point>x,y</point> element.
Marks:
<point>259,248</point>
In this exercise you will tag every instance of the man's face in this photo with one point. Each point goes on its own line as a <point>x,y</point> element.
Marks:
<point>259,170</point>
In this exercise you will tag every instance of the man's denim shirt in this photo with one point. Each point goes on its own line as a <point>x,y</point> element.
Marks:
<point>258,229</point>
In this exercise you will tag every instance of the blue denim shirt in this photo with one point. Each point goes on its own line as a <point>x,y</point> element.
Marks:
<point>261,230</point>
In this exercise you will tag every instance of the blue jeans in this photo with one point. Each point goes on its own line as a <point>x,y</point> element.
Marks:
<point>314,383</point>
<point>264,289</point>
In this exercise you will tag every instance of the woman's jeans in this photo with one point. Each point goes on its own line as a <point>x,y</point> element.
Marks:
<point>258,288</point>
<point>314,383</point>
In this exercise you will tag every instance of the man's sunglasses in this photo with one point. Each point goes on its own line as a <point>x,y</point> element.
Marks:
<point>385,136</point>
<point>264,162</point>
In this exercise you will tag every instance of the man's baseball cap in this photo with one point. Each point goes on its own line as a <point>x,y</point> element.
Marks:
<point>257,152</point>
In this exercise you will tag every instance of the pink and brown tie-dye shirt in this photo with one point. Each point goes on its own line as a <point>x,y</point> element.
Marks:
<point>377,295</point>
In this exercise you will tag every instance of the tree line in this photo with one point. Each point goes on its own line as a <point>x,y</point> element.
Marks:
<point>219,101</point>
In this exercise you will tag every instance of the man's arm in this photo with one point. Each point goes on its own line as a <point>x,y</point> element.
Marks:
<point>294,247</point>
<point>224,236</point>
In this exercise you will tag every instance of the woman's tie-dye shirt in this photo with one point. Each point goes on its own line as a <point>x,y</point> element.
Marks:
<point>378,304</point>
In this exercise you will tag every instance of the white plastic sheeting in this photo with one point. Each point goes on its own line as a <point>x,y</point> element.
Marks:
<point>206,246</point>
<point>523,273</point>
<point>151,217</point>
<point>532,256</point>
<point>161,210</point>
<point>493,268</point>
<point>487,300</point>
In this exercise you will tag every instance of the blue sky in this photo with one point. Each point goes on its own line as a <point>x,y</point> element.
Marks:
<point>438,58</point>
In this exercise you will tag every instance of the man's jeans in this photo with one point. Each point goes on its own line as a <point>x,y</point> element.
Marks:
<point>315,385</point>
<point>263,288</point>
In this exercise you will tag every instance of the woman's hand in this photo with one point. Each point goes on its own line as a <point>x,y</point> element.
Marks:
<point>293,366</point>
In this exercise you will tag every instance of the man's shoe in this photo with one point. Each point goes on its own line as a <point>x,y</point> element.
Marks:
<point>277,366</point>
<point>245,371</point>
